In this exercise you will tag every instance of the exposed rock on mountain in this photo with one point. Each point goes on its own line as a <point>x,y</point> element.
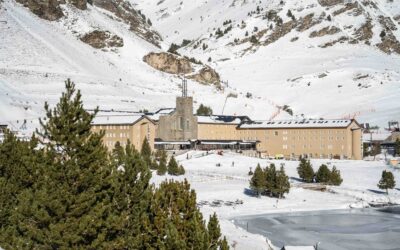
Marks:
<point>80,4</point>
<point>325,31</point>
<point>137,21</point>
<point>102,39</point>
<point>207,75</point>
<point>122,9</point>
<point>174,64</point>
<point>169,63</point>
<point>46,9</point>
<point>328,3</point>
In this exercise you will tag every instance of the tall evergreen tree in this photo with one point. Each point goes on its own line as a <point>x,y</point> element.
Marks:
<point>387,181</point>
<point>162,167</point>
<point>214,231</point>
<point>305,171</point>
<point>270,176</point>
<point>257,182</point>
<point>282,184</point>
<point>175,220</point>
<point>146,152</point>
<point>20,165</point>
<point>67,206</point>
<point>323,174</point>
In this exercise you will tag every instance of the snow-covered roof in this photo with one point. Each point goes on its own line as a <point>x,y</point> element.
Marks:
<point>116,119</point>
<point>378,136</point>
<point>222,119</point>
<point>298,124</point>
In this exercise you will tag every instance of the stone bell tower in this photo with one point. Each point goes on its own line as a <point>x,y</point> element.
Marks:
<point>181,125</point>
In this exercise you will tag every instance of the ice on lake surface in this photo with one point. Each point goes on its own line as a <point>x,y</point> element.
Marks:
<point>335,230</point>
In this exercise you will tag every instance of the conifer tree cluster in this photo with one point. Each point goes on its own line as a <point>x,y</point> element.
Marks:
<point>387,181</point>
<point>269,181</point>
<point>204,110</point>
<point>323,175</point>
<point>64,190</point>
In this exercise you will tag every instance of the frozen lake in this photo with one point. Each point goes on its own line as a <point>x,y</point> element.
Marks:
<point>335,230</point>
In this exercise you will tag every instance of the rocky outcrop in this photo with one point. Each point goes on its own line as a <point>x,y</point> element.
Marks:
<point>329,3</point>
<point>349,6</point>
<point>169,63</point>
<point>330,30</point>
<point>207,76</point>
<point>177,65</point>
<point>46,9</point>
<point>389,44</point>
<point>102,39</point>
<point>80,4</point>
<point>307,22</point>
<point>136,20</point>
<point>364,33</point>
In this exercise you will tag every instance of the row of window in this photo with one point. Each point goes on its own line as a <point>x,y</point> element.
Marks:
<point>331,138</point>
<point>114,135</point>
<point>123,127</point>
<point>322,146</point>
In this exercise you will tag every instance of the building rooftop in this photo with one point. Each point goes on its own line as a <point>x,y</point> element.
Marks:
<point>298,124</point>
<point>222,119</point>
<point>116,119</point>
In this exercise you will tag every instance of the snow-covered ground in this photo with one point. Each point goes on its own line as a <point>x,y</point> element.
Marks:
<point>229,183</point>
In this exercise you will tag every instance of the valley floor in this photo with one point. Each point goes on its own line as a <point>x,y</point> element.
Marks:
<point>224,190</point>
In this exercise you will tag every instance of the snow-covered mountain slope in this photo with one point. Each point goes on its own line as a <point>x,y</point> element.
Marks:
<point>284,64</point>
<point>37,56</point>
<point>323,58</point>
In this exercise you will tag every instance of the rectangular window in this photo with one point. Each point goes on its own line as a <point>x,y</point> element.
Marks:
<point>181,123</point>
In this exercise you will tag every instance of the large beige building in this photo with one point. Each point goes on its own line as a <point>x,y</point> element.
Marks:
<point>124,127</point>
<point>179,129</point>
<point>310,138</point>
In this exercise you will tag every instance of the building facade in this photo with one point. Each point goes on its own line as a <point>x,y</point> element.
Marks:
<point>308,138</point>
<point>179,128</point>
<point>121,128</point>
<point>179,125</point>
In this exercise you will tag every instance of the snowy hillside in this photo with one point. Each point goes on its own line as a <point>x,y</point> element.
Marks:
<point>284,64</point>
<point>325,59</point>
<point>37,56</point>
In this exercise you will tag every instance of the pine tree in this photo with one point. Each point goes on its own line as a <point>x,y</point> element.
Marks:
<point>214,231</point>
<point>175,220</point>
<point>323,174</point>
<point>397,147</point>
<point>204,110</point>
<point>131,197</point>
<point>69,200</point>
<point>173,168</point>
<point>20,165</point>
<point>162,167</point>
<point>387,181</point>
<point>282,184</point>
<point>305,171</point>
<point>224,244</point>
<point>257,182</point>
<point>335,178</point>
<point>146,152</point>
<point>270,176</point>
